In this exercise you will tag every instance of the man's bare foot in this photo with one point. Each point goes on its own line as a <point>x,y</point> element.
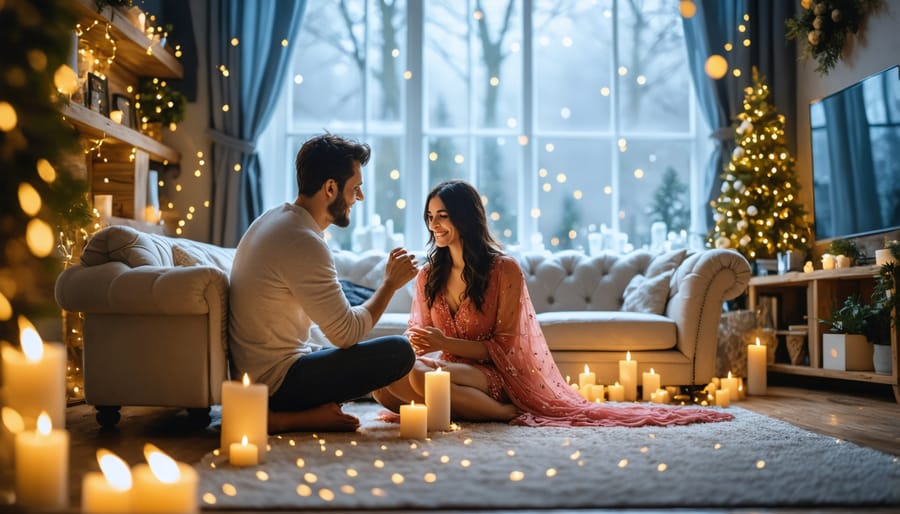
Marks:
<point>324,418</point>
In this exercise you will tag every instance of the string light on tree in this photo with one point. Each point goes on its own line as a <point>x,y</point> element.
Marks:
<point>758,212</point>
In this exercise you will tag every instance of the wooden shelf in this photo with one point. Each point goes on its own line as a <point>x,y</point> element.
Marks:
<point>96,125</point>
<point>860,376</point>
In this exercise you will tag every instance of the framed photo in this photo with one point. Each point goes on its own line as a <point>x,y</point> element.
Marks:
<point>126,105</point>
<point>97,98</point>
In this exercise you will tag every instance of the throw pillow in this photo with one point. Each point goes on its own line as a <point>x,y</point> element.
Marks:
<point>355,293</point>
<point>665,262</point>
<point>183,257</point>
<point>647,294</point>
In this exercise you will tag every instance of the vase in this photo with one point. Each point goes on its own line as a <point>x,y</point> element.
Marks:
<point>882,359</point>
<point>846,352</point>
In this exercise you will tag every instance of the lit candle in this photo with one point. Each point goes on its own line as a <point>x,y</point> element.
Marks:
<point>827,261</point>
<point>245,410</point>
<point>116,116</point>
<point>35,378</point>
<point>730,383</point>
<point>756,368</point>
<point>103,205</point>
<point>107,490</point>
<point>243,453</point>
<point>628,377</point>
<point>588,377</point>
<point>649,385</point>
<point>723,398</point>
<point>42,467</point>
<point>659,396</point>
<point>616,392</point>
<point>596,394</point>
<point>437,399</point>
<point>163,485</point>
<point>413,421</point>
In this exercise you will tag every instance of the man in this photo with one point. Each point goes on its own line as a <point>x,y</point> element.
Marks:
<point>284,279</point>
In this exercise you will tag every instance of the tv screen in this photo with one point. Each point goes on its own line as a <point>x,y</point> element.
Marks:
<point>856,158</point>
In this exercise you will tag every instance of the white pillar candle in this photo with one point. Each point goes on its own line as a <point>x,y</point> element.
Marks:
<point>756,368</point>
<point>243,453</point>
<point>163,485</point>
<point>103,205</point>
<point>649,384</point>
<point>842,261</point>
<point>884,256</point>
<point>245,410</point>
<point>42,467</point>
<point>107,490</point>
<point>413,421</point>
<point>723,398</point>
<point>35,378</point>
<point>628,377</point>
<point>659,396</point>
<point>437,398</point>
<point>827,261</point>
<point>596,393</point>
<point>616,393</point>
<point>731,383</point>
<point>587,377</point>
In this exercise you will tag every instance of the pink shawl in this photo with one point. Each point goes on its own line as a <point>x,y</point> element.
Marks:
<point>509,328</point>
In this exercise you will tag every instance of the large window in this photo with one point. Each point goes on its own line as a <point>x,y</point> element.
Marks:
<point>570,116</point>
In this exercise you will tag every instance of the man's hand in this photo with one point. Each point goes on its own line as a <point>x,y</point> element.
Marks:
<point>400,268</point>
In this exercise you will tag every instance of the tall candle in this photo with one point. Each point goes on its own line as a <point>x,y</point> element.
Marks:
<point>756,368</point>
<point>588,377</point>
<point>245,410</point>
<point>414,421</point>
<point>616,392</point>
<point>649,385</point>
<point>628,377</point>
<point>243,453</point>
<point>730,383</point>
<point>437,398</point>
<point>42,467</point>
<point>163,485</point>
<point>35,378</point>
<point>108,490</point>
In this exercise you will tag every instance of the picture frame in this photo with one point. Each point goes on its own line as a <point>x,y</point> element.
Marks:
<point>125,104</point>
<point>97,98</point>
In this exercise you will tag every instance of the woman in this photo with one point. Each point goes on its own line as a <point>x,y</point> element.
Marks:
<point>472,316</point>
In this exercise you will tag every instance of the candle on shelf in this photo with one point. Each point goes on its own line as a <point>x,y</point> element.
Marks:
<point>628,377</point>
<point>413,421</point>
<point>649,385</point>
<point>35,377</point>
<point>437,399</point>
<point>827,261</point>
<point>42,467</point>
<point>103,205</point>
<point>884,256</point>
<point>116,116</point>
<point>730,383</point>
<point>842,261</point>
<point>245,410</point>
<point>588,377</point>
<point>723,398</point>
<point>107,490</point>
<point>163,485</point>
<point>616,392</point>
<point>243,453</point>
<point>756,368</point>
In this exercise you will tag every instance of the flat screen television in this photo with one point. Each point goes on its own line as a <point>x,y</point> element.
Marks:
<point>856,158</point>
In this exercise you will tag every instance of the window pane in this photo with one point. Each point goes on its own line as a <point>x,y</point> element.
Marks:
<point>446,160</point>
<point>573,53</point>
<point>327,76</point>
<point>575,187</point>
<point>383,184</point>
<point>496,43</point>
<point>498,169</point>
<point>446,75</point>
<point>387,44</point>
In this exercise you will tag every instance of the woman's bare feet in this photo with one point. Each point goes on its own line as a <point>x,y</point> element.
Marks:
<point>324,418</point>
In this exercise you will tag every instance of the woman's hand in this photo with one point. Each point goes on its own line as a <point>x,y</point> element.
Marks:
<point>427,339</point>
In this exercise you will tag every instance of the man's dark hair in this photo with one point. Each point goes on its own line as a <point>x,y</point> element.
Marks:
<point>328,157</point>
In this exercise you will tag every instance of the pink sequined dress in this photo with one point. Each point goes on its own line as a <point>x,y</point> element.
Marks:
<point>521,363</point>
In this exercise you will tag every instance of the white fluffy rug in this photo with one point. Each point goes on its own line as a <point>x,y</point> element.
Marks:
<point>751,461</point>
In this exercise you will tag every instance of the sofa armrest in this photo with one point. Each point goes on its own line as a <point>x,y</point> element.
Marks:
<point>114,287</point>
<point>701,284</point>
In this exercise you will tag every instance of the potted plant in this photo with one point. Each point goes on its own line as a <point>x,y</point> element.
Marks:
<point>158,104</point>
<point>846,247</point>
<point>847,347</point>
<point>880,323</point>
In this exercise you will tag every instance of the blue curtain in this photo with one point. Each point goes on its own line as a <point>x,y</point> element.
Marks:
<point>716,23</point>
<point>255,69</point>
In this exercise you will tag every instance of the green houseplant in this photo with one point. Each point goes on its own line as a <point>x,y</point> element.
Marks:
<point>847,347</point>
<point>847,247</point>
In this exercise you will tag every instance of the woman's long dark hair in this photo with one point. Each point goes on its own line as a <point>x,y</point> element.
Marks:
<point>463,204</point>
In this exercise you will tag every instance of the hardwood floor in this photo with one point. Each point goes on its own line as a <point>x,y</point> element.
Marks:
<point>861,413</point>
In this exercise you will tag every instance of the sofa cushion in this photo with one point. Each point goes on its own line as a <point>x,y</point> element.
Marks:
<point>186,252</point>
<point>607,331</point>
<point>647,293</point>
<point>355,293</point>
<point>390,324</point>
<point>664,262</point>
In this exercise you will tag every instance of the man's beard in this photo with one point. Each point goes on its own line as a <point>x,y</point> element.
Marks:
<point>339,211</point>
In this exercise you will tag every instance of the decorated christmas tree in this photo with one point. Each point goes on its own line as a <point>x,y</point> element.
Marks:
<point>758,212</point>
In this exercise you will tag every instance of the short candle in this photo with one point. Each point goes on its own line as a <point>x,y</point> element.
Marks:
<point>413,421</point>
<point>35,377</point>
<point>243,454</point>
<point>649,385</point>
<point>42,467</point>
<point>730,383</point>
<point>616,392</point>
<point>588,377</point>
<point>107,490</point>
<point>163,485</point>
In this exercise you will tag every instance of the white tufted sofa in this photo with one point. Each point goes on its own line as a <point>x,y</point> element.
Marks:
<point>155,315</point>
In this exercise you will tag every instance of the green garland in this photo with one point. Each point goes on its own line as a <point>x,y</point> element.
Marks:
<point>823,26</point>
<point>157,102</point>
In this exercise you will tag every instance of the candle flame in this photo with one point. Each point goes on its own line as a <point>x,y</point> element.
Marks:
<point>617,383</point>
<point>438,369</point>
<point>32,346</point>
<point>244,441</point>
<point>729,374</point>
<point>586,370</point>
<point>163,467</point>
<point>44,423</point>
<point>757,341</point>
<point>246,380</point>
<point>652,372</point>
<point>412,403</point>
<point>628,355</point>
<point>114,469</point>
<point>12,420</point>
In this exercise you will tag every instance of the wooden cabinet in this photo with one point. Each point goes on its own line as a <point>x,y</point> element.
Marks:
<point>804,298</point>
<point>118,158</point>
